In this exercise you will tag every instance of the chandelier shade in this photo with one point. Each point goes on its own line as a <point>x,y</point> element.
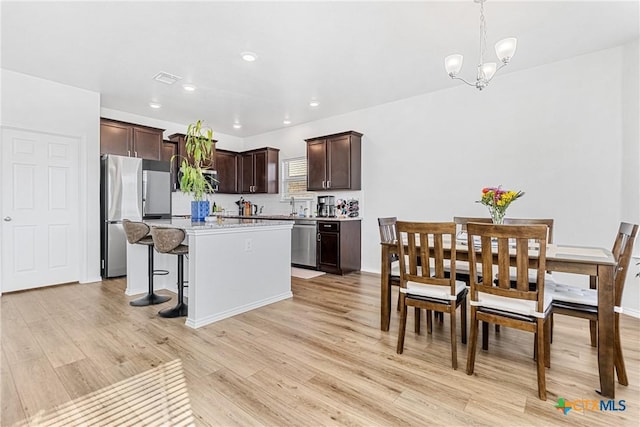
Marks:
<point>453,64</point>
<point>505,49</point>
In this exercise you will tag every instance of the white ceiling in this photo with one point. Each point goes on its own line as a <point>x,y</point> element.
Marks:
<point>347,55</point>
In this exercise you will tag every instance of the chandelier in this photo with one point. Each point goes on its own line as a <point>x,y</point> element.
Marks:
<point>505,49</point>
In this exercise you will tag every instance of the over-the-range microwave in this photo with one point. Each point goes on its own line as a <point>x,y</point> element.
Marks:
<point>210,175</point>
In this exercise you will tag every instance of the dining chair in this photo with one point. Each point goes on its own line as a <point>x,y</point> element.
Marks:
<point>387,228</point>
<point>462,267</point>
<point>532,273</point>
<point>580,302</point>
<point>521,307</point>
<point>424,283</point>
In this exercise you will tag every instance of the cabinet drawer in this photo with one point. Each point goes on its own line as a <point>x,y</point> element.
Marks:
<point>329,226</point>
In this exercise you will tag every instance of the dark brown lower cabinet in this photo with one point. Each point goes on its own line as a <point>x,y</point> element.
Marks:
<point>339,246</point>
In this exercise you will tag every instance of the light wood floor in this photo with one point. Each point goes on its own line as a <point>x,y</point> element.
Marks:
<point>79,354</point>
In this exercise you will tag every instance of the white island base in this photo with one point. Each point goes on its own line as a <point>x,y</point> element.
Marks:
<point>232,267</point>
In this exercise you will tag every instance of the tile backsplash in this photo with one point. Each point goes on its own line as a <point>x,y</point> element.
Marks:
<point>271,204</point>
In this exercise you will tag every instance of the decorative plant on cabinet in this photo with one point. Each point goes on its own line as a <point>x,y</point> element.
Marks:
<point>200,149</point>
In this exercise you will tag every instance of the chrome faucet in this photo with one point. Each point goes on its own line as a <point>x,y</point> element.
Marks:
<point>293,206</point>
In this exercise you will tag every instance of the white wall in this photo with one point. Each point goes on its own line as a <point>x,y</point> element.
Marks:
<point>41,105</point>
<point>630,188</point>
<point>555,132</point>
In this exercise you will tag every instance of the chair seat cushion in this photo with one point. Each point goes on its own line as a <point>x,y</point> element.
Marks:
<point>572,294</point>
<point>395,268</point>
<point>512,305</point>
<point>433,291</point>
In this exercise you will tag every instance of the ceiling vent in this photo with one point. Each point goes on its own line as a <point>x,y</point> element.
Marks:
<point>166,78</point>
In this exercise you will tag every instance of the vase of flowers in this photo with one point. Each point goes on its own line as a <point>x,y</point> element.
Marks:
<point>498,200</point>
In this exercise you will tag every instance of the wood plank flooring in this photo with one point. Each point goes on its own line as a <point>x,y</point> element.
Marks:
<point>80,355</point>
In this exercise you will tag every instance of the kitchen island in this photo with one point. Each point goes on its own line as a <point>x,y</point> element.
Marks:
<point>233,266</point>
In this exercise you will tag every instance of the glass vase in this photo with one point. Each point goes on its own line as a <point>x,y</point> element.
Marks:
<point>497,215</point>
<point>199,210</point>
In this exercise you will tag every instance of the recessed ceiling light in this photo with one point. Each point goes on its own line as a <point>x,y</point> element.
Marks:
<point>237,126</point>
<point>314,103</point>
<point>249,56</point>
<point>286,122</point>
<point>188,87</point>
<point>155,105</point>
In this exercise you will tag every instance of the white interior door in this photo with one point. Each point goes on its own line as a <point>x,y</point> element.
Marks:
<point>39,209</point>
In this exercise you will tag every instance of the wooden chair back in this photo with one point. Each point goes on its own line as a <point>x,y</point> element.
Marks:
<point>462,221</point>
<point>387,228</point>
<point>530,221</point>
<point>622,251</point>
<point>504,242</point>
<point>427,241</point>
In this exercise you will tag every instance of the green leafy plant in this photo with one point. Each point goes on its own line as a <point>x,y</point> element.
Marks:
<point>200,150</point>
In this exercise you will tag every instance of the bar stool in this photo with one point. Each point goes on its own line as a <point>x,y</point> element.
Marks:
<point>169,241</point>
<point>138,233</point>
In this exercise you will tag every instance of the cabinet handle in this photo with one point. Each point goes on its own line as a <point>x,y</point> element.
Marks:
<point>136,153</point>
<point>129,153</point>
<point>328,184</point>
<point>318,237</point>
<point>323,185</point>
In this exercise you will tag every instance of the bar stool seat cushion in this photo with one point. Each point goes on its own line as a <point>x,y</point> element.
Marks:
<point>136,231</point>
<point>169,240</point>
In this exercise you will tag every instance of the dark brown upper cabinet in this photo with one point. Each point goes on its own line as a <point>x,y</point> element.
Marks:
<point>128,139</point>
<point>334,162</point>
<point>259,171</point>
<point>226,164</point>
<point>167,154</point>
<point>181,140</point>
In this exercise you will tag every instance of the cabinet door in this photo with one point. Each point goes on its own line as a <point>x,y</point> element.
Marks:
<point>329,251</point>
<point>169,150</point>
<point>316,164</point>
<point>339,163</point>
<point>260,172</point>
<point>147,143</point>
<point>227,168</point>
<point>115,138</point>
<point>246,173</point>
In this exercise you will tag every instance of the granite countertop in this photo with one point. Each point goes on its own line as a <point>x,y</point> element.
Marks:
<point>212,223</point>
<point>291,218</point>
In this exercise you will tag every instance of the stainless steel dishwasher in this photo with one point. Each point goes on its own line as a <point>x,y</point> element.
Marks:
<point>303,243</point>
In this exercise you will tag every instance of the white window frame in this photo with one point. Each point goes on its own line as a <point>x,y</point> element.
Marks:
<point>285,178</point>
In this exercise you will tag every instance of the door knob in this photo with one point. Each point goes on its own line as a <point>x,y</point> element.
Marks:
<point>7,218</point>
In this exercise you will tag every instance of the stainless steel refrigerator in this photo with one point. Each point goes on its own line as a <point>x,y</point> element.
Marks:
<point>134,189</point>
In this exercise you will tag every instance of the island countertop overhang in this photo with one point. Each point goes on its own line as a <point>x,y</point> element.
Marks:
<point>227,225</point>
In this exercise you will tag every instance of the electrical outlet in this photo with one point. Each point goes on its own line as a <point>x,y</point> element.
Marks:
<point>248,245</point>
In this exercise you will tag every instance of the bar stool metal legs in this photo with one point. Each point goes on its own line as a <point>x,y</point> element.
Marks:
<point>151,298</point>
<point>169,241</point>
<point>139,233</point>
<point>181,308</point>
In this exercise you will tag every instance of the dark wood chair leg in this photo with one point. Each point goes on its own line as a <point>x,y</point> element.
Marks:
<point>618,357</point>
<point>402,325</point>
<point>417,319</point>
<point>454,339</point>
<point>542,385</point>
<point>485,336</point>
<point>471,350</point>
<point>463,320</point>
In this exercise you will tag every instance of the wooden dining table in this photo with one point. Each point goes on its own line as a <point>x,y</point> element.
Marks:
<point>598,263</point>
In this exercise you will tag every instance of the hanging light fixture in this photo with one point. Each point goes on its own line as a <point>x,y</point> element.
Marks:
<point>505,49</point>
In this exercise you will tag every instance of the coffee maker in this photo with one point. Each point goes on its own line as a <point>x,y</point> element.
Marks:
<point>326,206</point>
